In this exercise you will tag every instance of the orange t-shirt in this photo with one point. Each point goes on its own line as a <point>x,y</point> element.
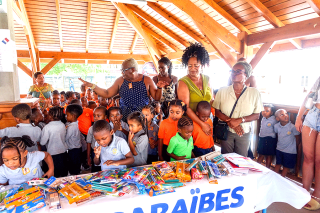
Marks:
<point>168,129</point>
<point>85,120</point>
<point>213,111</point>
<point>200,139</point>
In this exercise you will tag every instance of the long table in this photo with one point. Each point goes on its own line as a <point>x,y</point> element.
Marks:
<point>249,193</point>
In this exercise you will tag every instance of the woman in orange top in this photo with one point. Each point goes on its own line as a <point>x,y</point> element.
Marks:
<point>169,127</point>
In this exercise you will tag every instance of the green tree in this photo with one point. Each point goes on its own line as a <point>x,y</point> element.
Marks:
<point>79,69</point>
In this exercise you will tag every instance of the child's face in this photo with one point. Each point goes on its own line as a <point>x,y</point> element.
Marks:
<point>62,98</point>
<point>148,115</point>
<point>134,126</point>
<point>267,112</point>
<point>70,117</point>
<point>98,115</point>
<point>95,96</point>
<point>93,106</point>
<point>56,100</point>
<point>203,115</point>
<point>71,98</point>
<point>11,158</point>
<point>103,101</point>
<point>283,116</point>
<point>115,116</point>
<point>158,108</point>
<point>175,112</point>
<point>89,95</point>
<point>186,132</point>
<point>84,102</point>
<point>103,137</point>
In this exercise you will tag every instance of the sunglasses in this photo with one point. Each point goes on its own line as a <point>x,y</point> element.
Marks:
<point>123,70</point>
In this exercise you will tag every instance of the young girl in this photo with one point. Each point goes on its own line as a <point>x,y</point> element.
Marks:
<point>181,145</point>
<point>158,117</point>
<point>54,138</point>
<point>138,139</point>
<point>19,165</point>
<point>153,129</point>
<point>169,127</point>
<point>62,98</point>
<point>267,137</point>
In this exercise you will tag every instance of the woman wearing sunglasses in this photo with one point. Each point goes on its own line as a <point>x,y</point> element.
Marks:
<point>247,109</point>
<point>134,88</point>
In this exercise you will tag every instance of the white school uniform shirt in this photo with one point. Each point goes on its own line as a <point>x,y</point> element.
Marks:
<point>142,143</point>
<point>33,132</point>
<point>31,170</point>
<point>54,138</point>
<point>90,138</point>
<point>116,150</point>
<point>73,139</point>
<point>267,127</point>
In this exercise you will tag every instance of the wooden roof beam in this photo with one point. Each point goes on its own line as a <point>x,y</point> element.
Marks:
<point>134,42</point>
<point>137,25</point>
<point>25,69</point>
<point>264,50</point>
<point>59,24</point>
<point>315,5</point>
<point>158,25</point>
<point>29,36</point>
<point>226,15</point>
<point>295,30</point>
<point>172,20</point>
<point>88,26</point>
<point>114,31</point>
<point>203,19</point>
<point>51,64</point>
<point>92,56</point>
<point>271,18</point>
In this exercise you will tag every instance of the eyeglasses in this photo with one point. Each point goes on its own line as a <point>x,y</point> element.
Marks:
<point>237,72</point>
<point>123,70</point>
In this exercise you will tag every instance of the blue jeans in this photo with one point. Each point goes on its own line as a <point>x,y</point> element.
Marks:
<point>312,119</point>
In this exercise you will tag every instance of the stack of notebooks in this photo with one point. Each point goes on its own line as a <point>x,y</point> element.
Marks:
<point>242,165</point>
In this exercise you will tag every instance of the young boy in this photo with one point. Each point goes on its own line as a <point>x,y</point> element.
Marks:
<point>181,145</point>
<point>89,94</point>
<point>22,115</point>
<point>56,98</point>
<point>84,102</point>
<point>73,138</point>
<point>37,118</point>
<point>288,140</point>
<point>83,89</point>
<point>95,97</point>
<point>69,97</point>
<point>92,105</point>
<point>100,113</point>
<point>120,128</point>
<point>203,143</point>
<point>111,152</point>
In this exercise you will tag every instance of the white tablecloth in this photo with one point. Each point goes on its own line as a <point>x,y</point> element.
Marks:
<point>249,193</point>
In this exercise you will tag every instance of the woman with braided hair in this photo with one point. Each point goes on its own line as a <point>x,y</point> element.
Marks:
<point>238,105</point>
<point>169,92</point>
<point>19,165</point>
<point>181,145</point>
<point>195,87</point>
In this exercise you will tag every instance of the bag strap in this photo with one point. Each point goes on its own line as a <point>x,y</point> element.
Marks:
<point>235,104</point>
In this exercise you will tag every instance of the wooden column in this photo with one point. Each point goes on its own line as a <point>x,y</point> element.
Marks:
<point>245,50</point>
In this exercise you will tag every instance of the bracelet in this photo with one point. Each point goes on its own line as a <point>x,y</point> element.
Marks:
<point>159,87</point>
<point>93,86</point>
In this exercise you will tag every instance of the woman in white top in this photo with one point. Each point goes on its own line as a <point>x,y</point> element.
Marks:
<point>247,109</point>
<point>310,129</point>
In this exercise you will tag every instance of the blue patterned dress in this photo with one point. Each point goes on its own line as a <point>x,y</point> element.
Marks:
<point>132,98</point>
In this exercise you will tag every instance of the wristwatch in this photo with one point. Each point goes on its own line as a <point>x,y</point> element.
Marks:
<point>243,119</point>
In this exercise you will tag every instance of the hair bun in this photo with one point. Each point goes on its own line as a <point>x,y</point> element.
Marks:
<point>27,141</point>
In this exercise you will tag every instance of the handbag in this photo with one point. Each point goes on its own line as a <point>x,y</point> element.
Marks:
<point>222,128</point>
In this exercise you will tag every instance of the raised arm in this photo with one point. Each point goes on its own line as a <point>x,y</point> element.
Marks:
<point>106,93</point>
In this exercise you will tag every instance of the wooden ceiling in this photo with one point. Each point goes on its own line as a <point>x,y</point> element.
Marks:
<point>159,28</point>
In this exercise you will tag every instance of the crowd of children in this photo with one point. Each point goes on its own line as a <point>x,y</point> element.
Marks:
<point>82,131</point>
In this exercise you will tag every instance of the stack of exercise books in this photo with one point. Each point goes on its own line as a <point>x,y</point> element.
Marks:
<point>242,165</point>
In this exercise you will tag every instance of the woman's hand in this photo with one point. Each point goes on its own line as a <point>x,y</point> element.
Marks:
<point>206,128</point>
<point>298,124</point>
<point>86,83</point>
<point>162,84</point>
<point>234,122</point>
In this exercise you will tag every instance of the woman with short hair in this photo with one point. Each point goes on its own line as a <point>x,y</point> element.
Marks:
<point>40,89</point>
<point>248,109</point>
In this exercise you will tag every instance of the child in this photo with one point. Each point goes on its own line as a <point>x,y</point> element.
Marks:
<point>56,98</point>
<point>73,138</point>
<point>169,127</point>
<point>53,137</point>
<point>77,95</point>
<point>92,105</point>
<point>18,165</point>
<point>138,139</point>
<point>22,115</point>
<point>62,98</point>
<point>267,137</point>
<point>95,97</point>
<point>84,102</point>
<point>158,112</point>
<point>89,94</point>
<point>100,113</point>
<point>37,118</point>
<point>111,152</point>
<point>181,145</point>
<point>120,128</point>
<point>106,102</point>
<point>83,89</point>
<point>203,143</point>
<point>69,97</point>
<point>288,140</point>
<point>153,129</point>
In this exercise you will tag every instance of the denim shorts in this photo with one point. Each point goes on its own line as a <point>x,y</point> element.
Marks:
<point>312,119</point>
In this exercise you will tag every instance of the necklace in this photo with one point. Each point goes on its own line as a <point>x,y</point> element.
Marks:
<point>130,85</point>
